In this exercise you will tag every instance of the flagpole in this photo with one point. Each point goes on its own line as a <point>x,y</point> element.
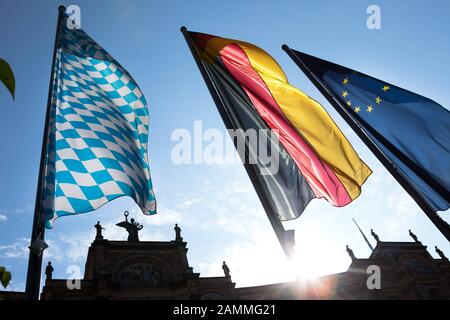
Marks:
<point>35,261</point>
<point>363,235</point>
<point>442,225</point>
<point>281,233</point>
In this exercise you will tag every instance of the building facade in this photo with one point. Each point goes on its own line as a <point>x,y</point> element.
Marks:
<point>160,270</point>
<point>142,270</point>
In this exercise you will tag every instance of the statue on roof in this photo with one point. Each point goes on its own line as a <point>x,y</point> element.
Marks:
<point>49,271</point>
<point>440,253</point>
<point>412,235</point>
<point>178,236</point>
<point>132,227</point>
<point>99,228</point>
<point>375,236</point>
<point>226,270</point>
<point>350,253</point>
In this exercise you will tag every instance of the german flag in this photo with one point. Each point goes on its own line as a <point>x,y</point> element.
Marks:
<point>316,160</point>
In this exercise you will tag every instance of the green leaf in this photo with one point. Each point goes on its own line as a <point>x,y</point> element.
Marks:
<point>7,77</point>
<point>5,277</point>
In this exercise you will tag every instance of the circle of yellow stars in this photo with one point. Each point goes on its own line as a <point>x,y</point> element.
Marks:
<point>357,109</point>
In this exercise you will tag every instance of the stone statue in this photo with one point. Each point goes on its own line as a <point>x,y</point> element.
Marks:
<point>375,236</point>
<point>350,253</point>
<point>440,253</point>
<point>412,235</point>
<point>132,228</point>
<point>99,229</point>
<point>226,270</point>
<point>49,271</point>
<point>177,233</point>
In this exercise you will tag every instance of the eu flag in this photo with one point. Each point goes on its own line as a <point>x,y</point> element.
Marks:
<point>412,131</point>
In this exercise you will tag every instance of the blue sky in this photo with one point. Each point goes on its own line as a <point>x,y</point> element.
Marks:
<point>215,205</point>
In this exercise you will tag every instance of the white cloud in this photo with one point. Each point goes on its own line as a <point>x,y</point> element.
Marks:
<point>75,245</point>
<point>27,208</point>
<point>4,214</point>
<point>165,216</point>
<point>54,251</point>
<point>19,250</point>
<point>16,250</point>
<point>404,212</point>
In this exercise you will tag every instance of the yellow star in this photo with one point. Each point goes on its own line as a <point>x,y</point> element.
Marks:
<point>357,109</point>
<point>349,103</point>
<point>345,81</point>
<point>344,94</point>
<point>377,100</point>
<point>385,88</point>
<point>369,109</point>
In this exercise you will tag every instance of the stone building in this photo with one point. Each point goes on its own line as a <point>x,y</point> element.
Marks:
<point>136,269</point>
<point>140,270</point>
<point>160,270</point>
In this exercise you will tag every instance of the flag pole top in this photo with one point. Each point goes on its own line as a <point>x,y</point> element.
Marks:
<point>183,29</point>
<point>285,47</point>
<point>62,9</point>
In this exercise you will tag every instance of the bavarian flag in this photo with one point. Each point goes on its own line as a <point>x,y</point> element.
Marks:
<point>98,132</point>
<point>412,131</point>
<point>316,160</point>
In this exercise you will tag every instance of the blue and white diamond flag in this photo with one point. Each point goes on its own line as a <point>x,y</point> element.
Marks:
<point>97,141</point>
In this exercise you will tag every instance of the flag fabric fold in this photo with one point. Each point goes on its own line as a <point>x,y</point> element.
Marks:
<point>317,159</point>
<point>412,131</point>
<point>98,132</point>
